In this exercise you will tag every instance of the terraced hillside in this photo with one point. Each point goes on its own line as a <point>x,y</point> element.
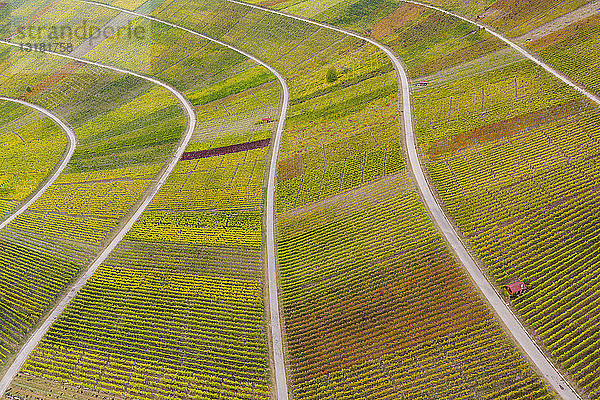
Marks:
<point>192,266</point>
<point>359,97</point>
<point>309,376</point>
<point>511,16</point>
<point>571,50</point>
<point>374,305</point>
<point>58,235</point>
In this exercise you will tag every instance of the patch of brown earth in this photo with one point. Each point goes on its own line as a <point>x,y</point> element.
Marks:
<point>397,19</point>
<point>290,167</point>
<point>502,129</point>
<point>270,3</point>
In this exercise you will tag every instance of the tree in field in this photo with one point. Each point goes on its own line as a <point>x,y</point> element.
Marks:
<point>332,75</point>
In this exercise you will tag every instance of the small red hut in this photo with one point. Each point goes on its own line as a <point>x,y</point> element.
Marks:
<point>264,121</point>
<point>515,289</point>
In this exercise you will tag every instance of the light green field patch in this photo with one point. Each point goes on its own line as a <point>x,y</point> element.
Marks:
<point>312,8</point>
<point>155,100</point>
<point>236,84</point>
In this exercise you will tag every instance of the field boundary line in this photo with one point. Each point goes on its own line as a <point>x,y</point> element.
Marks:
<point>36,336</point>
<point>447,230</point>
<point>65,158</point>
<point>274,324</point>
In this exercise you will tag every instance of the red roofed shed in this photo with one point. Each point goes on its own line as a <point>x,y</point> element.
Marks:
<point>515,289</point>
<point>265,120</point>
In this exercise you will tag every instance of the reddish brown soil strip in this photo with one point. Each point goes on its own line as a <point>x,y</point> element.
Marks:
<point>219,151</point>
<point>504,128</point>
<point>63,73</point>
<point>290,168</point>
<point>387,26</point>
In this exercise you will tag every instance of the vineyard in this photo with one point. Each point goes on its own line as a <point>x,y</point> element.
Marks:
<point>48,245</point>
<point>200,330</point>
<point>339,134</point>
<point>511,153</point>
<point>373,303</point>
<point>208,213</point>
<point>385,304</point>
<point>328,322</point>
<point>569,50</point>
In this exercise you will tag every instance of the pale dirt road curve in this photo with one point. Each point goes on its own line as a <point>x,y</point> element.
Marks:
<point>524,52</point>
<point>66,128</point>
<point>280,375</point>
<point>519,333</point>
<point>39,333</point>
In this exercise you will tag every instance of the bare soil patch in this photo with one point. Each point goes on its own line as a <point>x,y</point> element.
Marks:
<point>290,167</point>
<point>404,14</point>
<point>502,129</point>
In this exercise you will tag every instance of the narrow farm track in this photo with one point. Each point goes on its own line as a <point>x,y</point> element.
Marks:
<point>37,335</point>
<point>577,15</point>
<point>523,51</point>
<point>276,334</point>
<point>445,227</point>
<point>66,157</point>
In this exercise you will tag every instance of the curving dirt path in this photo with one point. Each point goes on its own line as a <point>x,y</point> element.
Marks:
<point>66,157</point>
<point>37,335</point>
<point>518,332</point>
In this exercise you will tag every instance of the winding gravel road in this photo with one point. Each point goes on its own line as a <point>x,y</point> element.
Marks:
<point>59,168</point>
<point>518,332</point>
<point>43,328</point>
<point>280,374</point>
